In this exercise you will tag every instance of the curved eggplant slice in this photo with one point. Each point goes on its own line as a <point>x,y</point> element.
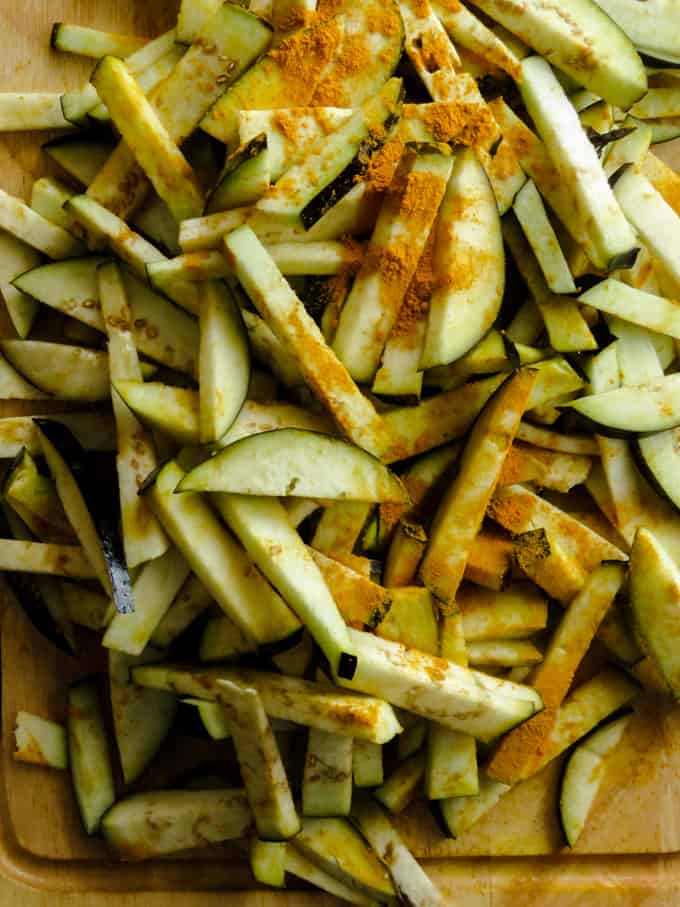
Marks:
<point>466,302</point>
<point>285,463</point>
<point>95,516</point>
<point>651,407</point>
<point>583,775</point>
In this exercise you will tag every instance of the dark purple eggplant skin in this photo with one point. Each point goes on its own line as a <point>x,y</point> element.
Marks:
<point>99,491</point>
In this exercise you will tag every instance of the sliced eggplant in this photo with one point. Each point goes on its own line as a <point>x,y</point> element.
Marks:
<point>614,71</point>
<point>638,25</point>
<point>143,537</point>
<point>318,705</point>
<point>264,776</point>
<point>437,689</point>
<point>300,866</point>
<point>152,824</point>
<point>411,620</point>
<point>172,410</point>
<point>68,372</point>
<point>224,362</point>
<point>567,329</point>
<point>367,764</point>
<point>325,374</point>
<point>89,757</point>
<point>584,774</point>
<point>547,469</point>
<point>656,223</point>
<point>251,465</point>
<point>94,516</point>
<point>141,717</point>
<point>263,527</point>
<point>654,602</point>
<point>145,134</point>
<point>268,862</point>
<point>313,186</point>
<point>519,511</point>
<point>128,245</point>
<point>31,228</point>
<point>224,568</point>
<point>408,877</point>
<point>16,258</point>
<point>227,44</point>
<point>650,407</point>
<point>327,778</point>
<point>436,420</point>
<point>530,212</point>
<point>335,846</point>
<point>153,592</point>
<point>517,612</point>
<point>552,440</point>
<point>451,764</point>
<point>612,236</point>
<point>278,80</point>
<point>192,600</point>
<point>397,243</point>
<point>460,514</point>
<point>400,787</point>
<point>405,554</point>
<point>361,602</point>
<point>161,331</point>
<point>557,729</point>
<point>245,178</point>
<point>34,499</point>
<point>40,742</point>
<point>467,297</point>
<point>488,654</point>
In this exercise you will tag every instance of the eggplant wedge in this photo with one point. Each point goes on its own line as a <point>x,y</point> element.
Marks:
<point>517,612</point>
<point>327,778</point>
<point>322,370</point>
<point>141,717</point>
<point>467,298</point>
<point>460,514</point>
<point>584,774</point>
<point>617,72</point>
<point>152,824</point>
<point>651,407</point>
<point>318,705</point>
<point>221,564</point>
<point>263,527</point>
<point>338,848</point>
<point>89,756</point>
<point>224,361</point>
<point>284,463</point>
<point>638,25</point>
<point>94,516</point>
<point>40,742</point>
<point>654,603</point>
<point>613,239</point>
<point>461,699</point>
<point>397,243</point>
<point>408,877</point>
<point>264,776</point>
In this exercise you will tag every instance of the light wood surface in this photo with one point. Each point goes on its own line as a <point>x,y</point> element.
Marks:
<point>637,810</point>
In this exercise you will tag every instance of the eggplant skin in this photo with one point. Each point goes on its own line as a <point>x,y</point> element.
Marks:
<point>102,503</point>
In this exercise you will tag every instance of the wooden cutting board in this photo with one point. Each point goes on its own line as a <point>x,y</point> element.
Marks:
<point>513,857</point>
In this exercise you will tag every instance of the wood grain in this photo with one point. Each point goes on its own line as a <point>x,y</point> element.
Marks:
<point>512,858</point>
